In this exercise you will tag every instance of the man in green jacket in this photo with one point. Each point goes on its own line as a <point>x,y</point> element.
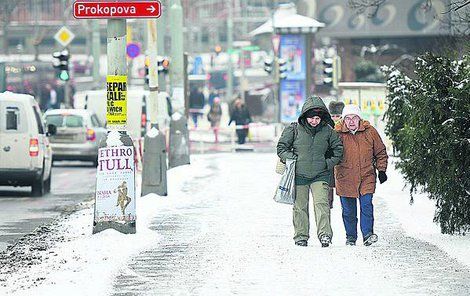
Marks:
<point>308,142</point>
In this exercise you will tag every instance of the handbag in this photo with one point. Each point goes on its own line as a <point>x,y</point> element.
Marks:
<point>285,191</point>
<point>281,166</point>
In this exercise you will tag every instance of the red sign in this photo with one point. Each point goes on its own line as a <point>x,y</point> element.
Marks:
<point>98,10</point>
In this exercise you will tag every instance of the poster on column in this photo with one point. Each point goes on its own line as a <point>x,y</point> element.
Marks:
<point>115,188</point>
<point>116,100</point>
<point>293,52</point>
<point>292,95</point>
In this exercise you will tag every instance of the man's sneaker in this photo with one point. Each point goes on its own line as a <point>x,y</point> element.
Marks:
<point>302,243</point>
<point>325,241</point>
<point>373,238</point>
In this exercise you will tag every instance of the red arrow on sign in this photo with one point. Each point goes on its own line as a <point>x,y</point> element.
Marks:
<point>98,10</point>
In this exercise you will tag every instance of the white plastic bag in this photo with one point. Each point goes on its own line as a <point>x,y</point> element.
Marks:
<point>285,191</point>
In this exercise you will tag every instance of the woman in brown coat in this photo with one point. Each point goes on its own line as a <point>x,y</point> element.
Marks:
<point>355,176</point>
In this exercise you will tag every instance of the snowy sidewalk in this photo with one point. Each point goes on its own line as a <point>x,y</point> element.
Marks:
<point>220,233</point>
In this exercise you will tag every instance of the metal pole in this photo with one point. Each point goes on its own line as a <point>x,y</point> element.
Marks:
<point>96,51</point>
<point>66,84</point>
<point>308,62</point>
<point>186,85</point>
<point>153,70</point>
<point>176,67</point>
<point>161,31</point>
<point>229,50</point>
<point>3,77</point>
<point>179,134</point>
<point>154,176</point>
<point>242,80</point>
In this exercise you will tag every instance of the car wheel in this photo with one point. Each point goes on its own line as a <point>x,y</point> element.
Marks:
<point>38,187</point>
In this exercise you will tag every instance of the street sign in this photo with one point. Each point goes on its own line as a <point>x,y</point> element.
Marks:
<point>133,50</point>
<point>131,9</point>
<point>64,36</point>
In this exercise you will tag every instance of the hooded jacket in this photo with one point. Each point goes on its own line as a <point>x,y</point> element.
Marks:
<point>364,153</point>
<point>317,149</point>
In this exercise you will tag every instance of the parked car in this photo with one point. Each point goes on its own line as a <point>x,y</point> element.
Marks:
<point>25,152</point>
<point>78,135</point>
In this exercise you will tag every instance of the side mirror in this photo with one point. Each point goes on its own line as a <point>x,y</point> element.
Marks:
<point>51,130</point>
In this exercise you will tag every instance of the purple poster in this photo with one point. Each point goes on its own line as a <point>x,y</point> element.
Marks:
<point>292,92</point>
<point>293,52</point>
<point>292,99</point>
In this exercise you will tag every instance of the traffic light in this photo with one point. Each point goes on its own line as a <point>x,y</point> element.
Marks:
<point>282,68</point>
<point>328,71</point>
<point>163,65</point>
<point>61,64</point>
<point>268,65</point>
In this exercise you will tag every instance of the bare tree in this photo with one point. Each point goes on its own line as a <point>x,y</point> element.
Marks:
<point>361,6</point>
<point>458,17</point>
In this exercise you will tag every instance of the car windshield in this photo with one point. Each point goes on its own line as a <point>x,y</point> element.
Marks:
<point>61,120</point>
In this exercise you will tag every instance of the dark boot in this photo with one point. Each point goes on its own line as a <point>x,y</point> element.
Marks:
<point>302,243</point>
<point>350,241</point>
<point>325,241</point>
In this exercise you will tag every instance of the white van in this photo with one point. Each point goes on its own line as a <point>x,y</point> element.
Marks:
<point>25,153</point>
<point>137,117</point>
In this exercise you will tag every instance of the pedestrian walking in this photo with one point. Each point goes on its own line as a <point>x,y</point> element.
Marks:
<point>242,118</point>
<point>214,116</point>
<point>355,176</point>
<point>308,141</point>
<point>335,108</point>
<point>196,104</point>
<point>52,102</point>
<point>212,95</point>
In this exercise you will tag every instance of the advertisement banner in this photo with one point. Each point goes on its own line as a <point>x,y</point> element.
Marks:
<point>116,100</point>
<point>115,188</point>
<point>293,51</point>
<point>292,95</point>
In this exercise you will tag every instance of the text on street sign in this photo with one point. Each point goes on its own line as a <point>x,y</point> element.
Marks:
<point>97,10</point>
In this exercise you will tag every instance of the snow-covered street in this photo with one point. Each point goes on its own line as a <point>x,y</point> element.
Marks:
<point>220,233</point>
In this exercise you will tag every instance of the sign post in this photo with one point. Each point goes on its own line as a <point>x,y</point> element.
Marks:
<point>115,184</point>
<point>115,197</point>
<point>64,36</point>
<point>154,176</point>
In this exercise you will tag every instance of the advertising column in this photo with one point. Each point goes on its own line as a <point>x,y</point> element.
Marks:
<point>293,88</point>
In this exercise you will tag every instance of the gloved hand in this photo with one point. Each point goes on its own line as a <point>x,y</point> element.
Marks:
<point>292,156</point>
<point>382,177</point>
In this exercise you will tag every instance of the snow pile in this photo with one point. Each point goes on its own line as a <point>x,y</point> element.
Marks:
<point>86,264</point>
<point>417,219</point>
